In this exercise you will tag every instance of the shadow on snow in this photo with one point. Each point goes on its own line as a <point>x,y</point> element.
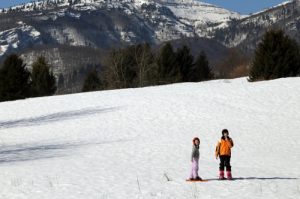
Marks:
<point>55,117</point>
<point>31,152</point>
<point>256,178</point>
<point>20,153</point>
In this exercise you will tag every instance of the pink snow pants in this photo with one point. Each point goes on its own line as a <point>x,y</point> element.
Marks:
<point>195,168</point>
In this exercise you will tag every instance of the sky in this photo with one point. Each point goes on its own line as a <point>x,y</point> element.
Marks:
<point>241,6</point>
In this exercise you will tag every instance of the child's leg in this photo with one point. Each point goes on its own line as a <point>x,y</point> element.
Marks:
<point>222,165</point>
<point>227,163</point>
<point>228,168</point>
<point>194,170</point>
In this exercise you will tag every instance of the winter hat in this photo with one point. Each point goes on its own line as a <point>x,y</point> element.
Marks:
<point>225,131</point>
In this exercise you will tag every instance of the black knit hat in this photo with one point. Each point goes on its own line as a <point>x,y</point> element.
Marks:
<point>225,131</point>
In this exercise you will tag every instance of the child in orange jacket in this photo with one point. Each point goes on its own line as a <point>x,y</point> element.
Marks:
<point>223,150</point>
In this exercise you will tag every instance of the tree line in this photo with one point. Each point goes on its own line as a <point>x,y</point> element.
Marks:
<point>276,56</point>
<point>139,66</point>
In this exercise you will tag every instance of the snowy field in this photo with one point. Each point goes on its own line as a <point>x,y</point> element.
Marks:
<point>136,143</point>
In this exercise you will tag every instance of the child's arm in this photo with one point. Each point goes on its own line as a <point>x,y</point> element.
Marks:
<point>231,141</point>
<point>193,153</point>
<point>217,152</point>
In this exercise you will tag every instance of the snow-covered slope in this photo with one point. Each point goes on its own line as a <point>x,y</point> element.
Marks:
<point>136,143</point>
<point>197,10</point>
<point>18,38</point>
<point>202,16</point>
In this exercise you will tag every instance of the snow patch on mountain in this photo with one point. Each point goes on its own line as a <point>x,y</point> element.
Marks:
<point>200,16</point>
<point>68,35</point>
<point>127,36</point>
<point>18,37</point>
<point>199,11</point>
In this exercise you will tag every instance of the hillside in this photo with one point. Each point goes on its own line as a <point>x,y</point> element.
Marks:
<point>136,143</point>
<point>75,35</point>
<point>247,32</point>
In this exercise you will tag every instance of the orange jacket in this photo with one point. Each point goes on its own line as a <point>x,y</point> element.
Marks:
<point>224,147</point>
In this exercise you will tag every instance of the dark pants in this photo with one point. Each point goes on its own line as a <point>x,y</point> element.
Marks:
<point>225,162</point>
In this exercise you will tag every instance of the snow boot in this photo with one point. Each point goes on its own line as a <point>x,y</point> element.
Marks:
<point>221,175</point>
<point>198,178</point>
<point>229,176</point>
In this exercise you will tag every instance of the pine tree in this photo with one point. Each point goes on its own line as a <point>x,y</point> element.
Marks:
<point>201,70</point>
<point>167,65</point>
<point>275,57</point>
<point>92,82</point>
<point>43,81</point>
<point>14,79</point>
<point>186,63</point>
